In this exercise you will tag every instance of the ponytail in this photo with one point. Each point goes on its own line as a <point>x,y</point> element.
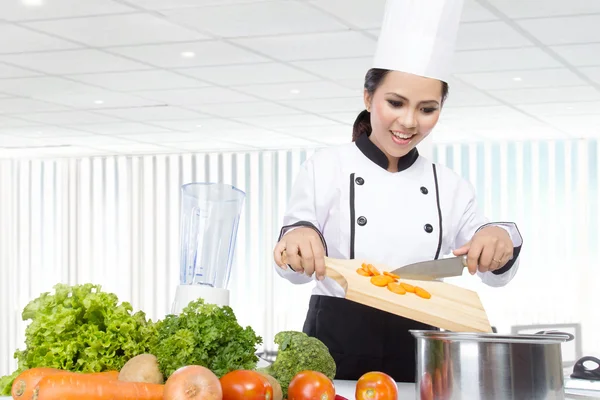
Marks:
<point>362,125</point>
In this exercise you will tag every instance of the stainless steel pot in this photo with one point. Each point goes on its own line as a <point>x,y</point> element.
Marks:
<point>476,366</point>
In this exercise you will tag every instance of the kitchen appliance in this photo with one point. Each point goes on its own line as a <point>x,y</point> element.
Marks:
<point>585,378</point>
<point>450,307</point>
<point>434,269</point>
<point>481,366</point>
<point>210,215</point>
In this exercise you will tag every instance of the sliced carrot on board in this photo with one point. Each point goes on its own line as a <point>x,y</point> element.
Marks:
<point>419,291</point>
<point>373,270</point>
<point>362,272</point>
<point>408,287</point>
<point>396,288</point>
<point>391,275</point>
<point>381,280</point>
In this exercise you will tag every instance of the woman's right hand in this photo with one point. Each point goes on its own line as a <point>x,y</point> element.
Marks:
<point>304,252</point>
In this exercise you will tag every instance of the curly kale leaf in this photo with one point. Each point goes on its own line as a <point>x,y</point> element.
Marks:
<point>206,335</point>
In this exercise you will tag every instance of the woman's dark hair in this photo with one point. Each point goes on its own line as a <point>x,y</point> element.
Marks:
<point>373,79</point>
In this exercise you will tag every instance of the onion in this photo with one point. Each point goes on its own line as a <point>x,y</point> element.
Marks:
<point>193,382</point>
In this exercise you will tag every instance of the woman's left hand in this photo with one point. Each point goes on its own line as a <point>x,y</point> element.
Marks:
<point>489,249</point>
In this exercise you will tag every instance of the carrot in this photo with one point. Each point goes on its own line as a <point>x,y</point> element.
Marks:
<point>396,288</point>
<point>408,287</point>
<point>94,387</point>
<point>373,270</point>
<point>396,277</point>
<point>363,272</point>
<point>25,383</point>
<point>381,280</point>
<point>419,291</point>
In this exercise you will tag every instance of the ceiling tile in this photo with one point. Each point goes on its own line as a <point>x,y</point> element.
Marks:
<point>7,122</point>
<point>473,11</point>
<point>7,71</point>
<point>580,29</point>
<point>117,30</point>
<point>201,126</point>
<point>15,39</point>
<point>554,109</point>
<point>145,114</point>
<point>579,55</point>
<point>319,133</point>
<point>592,72</point>
<point>343,118</point>
<point>481,118</point>
<point>462,95</point>
<point>522,79</point>
<point>73,62</point>
<point>345,104</point>
<point>179,55</point>
<point>17,10</point>
<point>67,118</point>
<point>536,9</point>
<point>358,13</point>
<point>91,140</point>
<point>208,145</point>
<point>135,148</point>
<point>45,131</point>
<point>139,80</point>
<point>99,99</point>
<point>268,139</point>
<point>256,19</point>
<point>284,121</point>
<point>249,74</point>
<point>40,86</point>
<point>174,4</point>
<point>300,90</point>
<point>207,95</point>
<point>20,106</point>
<point>338,69</point>
<point>10,141</point>
<point>489,35</point>
<point>119,128</point>
<point>579,126</point>
<point>247,109</point>
<point>548,95</point>
<point>502,59</point>
<point>312,46</point>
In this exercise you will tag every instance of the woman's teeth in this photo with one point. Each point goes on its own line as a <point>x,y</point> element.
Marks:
<point>401,135</point>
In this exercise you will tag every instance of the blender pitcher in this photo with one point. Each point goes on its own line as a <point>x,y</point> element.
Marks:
<point>210,215</point>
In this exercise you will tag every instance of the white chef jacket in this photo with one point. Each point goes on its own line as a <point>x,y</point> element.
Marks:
<point>362,211</point>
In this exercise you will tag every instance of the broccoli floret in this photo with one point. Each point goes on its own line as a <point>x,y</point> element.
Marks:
<point>299,352</point>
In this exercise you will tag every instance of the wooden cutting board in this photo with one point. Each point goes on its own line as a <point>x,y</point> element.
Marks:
<point>450,307</point>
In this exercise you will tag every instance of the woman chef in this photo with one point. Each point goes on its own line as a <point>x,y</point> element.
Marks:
<point>378,199</point>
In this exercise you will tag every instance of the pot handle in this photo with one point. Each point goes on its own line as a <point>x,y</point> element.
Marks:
<point>581,372</point>
<point>568,336</point>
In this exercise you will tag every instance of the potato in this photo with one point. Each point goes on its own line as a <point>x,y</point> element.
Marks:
<point>141,368</point>
<point>277,393</point>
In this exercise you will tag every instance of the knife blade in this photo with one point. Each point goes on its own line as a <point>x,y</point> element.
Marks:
<point>433,270</point>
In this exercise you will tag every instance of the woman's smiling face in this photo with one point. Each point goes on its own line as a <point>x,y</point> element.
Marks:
<point>404,109</point>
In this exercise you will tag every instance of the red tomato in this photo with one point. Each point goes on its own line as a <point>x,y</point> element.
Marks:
<point>376,386</point>
<point>311,385</point>
<point>247,385</point>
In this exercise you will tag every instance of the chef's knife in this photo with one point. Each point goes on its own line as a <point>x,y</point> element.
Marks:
<point>433,270</point>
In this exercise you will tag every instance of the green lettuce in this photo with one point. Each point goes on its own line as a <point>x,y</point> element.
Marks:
<point>80,328</point>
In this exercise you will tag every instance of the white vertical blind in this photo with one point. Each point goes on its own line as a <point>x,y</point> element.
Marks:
<point>114,221</point>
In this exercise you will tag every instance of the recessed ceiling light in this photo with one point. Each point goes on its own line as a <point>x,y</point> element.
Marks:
<point>517,79</point>
<point>569,107</point>
<point>294,91</point>
<point>188,54</point>
<point>198,126</point>
<point>99,102</point>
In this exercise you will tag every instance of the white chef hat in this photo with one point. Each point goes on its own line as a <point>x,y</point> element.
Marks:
<point>419,37</point>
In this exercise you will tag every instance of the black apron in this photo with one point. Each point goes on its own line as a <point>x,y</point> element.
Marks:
<point>363,339</point>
